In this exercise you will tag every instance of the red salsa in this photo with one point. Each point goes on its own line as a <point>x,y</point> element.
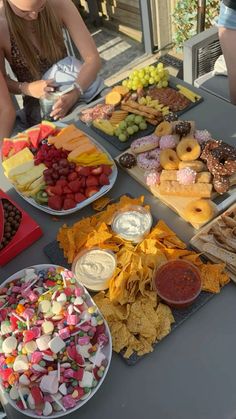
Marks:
<point>178,282</point>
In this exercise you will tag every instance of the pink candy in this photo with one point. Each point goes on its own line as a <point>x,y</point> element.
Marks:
<point>83,340</point>
<point>78,292</point>
<point>64,333</point>
<point>152,177</point>
<point>36,357</point>
<point>68,402</point>
<point>72,319</point>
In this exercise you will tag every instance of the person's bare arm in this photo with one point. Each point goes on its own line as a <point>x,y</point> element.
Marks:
<point>7,110</point>
<point>83,41</point>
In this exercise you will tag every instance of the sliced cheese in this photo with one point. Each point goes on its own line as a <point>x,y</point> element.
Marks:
<point>28,177</point>
<point>18,170</point>
<point>18,159</point>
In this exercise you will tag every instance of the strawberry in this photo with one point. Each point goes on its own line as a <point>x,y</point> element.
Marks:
<point>91,190</point>
<point>66,189</point>
<point>69,203</point>
<point>82,170</point>
<point>83,181</point>
<point>72,176</point>
<point>75,185</point>
<point>70,196</point>
<point>96,170</point>
<point>79,197</point>
<point>103,179</point>
<point>55,202</point>
<point>92,181</point>
<point>61,182</point>
<point>106,169</point>
<point>57,189</point>
<point>49,190</point>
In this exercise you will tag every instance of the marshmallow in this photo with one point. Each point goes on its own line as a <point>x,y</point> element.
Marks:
<point>30,347</point>
<point>47,327</point>
<point>56,307</point>
<point>49,384</point>
<point>63,389</point>
<point>6,327</point>
<point>14,394</point>
<point>45,306</point>
<point>56,344</point>
<point>62,298</point>
<point>87,379</point>
<point>24,380</point>
<point>21,363</point>
<point>47,409</point>
<point>9,345</point>
<point>43,342</point>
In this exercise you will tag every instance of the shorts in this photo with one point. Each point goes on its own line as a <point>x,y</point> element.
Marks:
<point>227,17</point>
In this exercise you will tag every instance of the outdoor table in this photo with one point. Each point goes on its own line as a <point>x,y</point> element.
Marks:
<point>190,374</point>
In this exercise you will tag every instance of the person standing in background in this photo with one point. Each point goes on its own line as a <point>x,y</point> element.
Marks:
<point>7,111</point>
<point>227,35</point>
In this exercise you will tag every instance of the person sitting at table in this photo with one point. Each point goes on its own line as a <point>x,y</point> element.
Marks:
<point>31,39</point>
<point>227,35</point>
<point>7,111</point>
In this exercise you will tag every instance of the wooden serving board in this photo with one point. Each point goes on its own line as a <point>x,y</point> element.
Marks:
<point>176,203</point>
<point>197,243</point>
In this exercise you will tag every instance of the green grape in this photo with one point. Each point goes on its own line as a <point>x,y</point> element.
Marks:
<point>151,67</point>
<point>140,86</point>
<point>151,80</point>
<point>123,137</point>
<point>130,118</point>
<point>134,86</point>
<point>160,66</point>
<point>135,128</point>
<point>143,125</point>
<point>130,130</point>
<point>164,83</point>
<point>157,78</point>
<point>142,101</point>
<point>148,98</point>
<point>141,73</point>
<point>138,119</point>
<point>153,74</point>
<point>118,132</point>
<point>146,77</point>
<point>143,81</point>
<point>129,84</point>
<point>135,72</point>
<point>124,83</point>
<point>159,85</point>
<point>161,73</point>
<point>122,125</point>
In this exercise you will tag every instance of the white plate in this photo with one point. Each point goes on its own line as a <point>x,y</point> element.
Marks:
<point>84,203</point>
<point>107,352</point>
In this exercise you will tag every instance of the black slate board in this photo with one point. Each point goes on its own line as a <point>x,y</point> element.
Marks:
<point>55,254</point>
<point>122,146</point>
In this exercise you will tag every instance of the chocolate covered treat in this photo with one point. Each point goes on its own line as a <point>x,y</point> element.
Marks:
<point>12,219</point>
<point>171,117</point>
<point>127,160</point>
<point>183,128</point>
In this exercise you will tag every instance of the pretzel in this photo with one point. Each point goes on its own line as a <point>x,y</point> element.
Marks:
<point>143,108</point>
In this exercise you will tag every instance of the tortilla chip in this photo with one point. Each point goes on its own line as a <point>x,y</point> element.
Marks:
<point>213,276</point>
<point>101,203</point>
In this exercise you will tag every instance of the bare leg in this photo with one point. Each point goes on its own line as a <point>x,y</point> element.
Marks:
<point>228,44</point>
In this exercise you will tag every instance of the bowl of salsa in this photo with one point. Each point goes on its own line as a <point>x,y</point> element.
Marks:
<point>178,283</point>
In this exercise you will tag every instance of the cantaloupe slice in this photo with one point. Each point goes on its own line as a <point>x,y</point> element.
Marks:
<point>87,148</point>
<point>123,90</point>
<point>113,98</point>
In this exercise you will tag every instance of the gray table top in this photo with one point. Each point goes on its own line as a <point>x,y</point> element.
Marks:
<point>192,372</point>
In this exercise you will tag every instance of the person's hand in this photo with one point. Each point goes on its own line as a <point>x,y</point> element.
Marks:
<point>63,105</point>
<point>38,88</point>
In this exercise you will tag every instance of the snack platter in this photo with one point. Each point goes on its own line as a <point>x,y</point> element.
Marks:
<point>43,184</point>
<point>217,240</point>
<point>136,103</point>
<point>161,168</point>
<point>51,394</point>
<point>55,255</point>
<point>174,249</point>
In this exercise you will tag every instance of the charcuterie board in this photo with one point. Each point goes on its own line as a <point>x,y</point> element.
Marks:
<point>218,237</point>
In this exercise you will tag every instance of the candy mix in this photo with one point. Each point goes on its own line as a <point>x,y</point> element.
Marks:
<point>53,341</point>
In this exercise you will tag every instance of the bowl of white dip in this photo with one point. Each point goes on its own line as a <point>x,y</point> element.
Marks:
<point>132,223</point>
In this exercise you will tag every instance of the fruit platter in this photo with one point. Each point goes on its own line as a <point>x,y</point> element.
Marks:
<point>57,168</point>
<point>55,344</point>
<point>185,168</point>
<point>136,106</point>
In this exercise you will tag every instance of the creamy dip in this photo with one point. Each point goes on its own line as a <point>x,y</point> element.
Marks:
<point>94,267</point>
<point>132,225</point>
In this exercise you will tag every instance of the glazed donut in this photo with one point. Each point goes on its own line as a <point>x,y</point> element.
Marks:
<point>150,160</point>
<point>143,144</point>
<point>169,159</point>
<point>164,128</point>
<point>199,211</point>
<point>188,149</point>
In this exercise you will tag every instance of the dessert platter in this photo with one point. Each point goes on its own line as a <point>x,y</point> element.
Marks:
<point>146,280</point>
<point>138,105</point>
<point>55,344</point>
<point>185,168</point>
<point>57,168</point>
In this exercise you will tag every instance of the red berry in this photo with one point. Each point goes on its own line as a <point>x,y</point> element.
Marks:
<point>79,197</point>
<point>72,176</point>
<point>103,179</point>
<point>96,170</point>
<point>69,203</point>
<point>55,202</point>
<point>91,190</point>
<point>92,181</point>
<point>75,185</point>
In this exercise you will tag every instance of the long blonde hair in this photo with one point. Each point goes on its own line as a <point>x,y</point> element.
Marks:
<point>48,31</point>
